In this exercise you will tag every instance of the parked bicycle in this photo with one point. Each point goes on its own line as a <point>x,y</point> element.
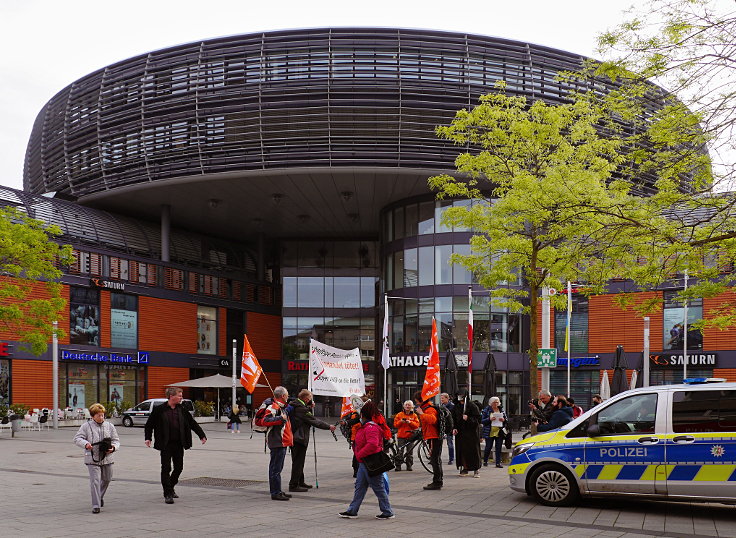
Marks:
<point>399,455</point>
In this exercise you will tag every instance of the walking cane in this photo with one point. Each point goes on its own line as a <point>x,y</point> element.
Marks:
<point>314,444</point>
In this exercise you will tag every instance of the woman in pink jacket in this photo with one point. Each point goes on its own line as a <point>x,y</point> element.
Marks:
<point>368,440</point>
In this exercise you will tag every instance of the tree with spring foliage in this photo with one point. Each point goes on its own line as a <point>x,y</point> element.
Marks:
<point>554,208</point>
<point>30,296</point>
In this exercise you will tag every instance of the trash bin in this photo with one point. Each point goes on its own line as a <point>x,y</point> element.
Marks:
<point>16,422</point>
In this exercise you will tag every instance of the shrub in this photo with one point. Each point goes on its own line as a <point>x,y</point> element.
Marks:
<point>204,409</point>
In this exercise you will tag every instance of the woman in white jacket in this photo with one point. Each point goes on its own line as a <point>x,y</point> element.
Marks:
<point>100,440</point>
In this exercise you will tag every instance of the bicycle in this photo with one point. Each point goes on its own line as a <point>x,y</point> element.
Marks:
<point>398,454</point>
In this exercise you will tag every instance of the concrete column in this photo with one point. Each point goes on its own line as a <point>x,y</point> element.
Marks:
<point>165,232</point>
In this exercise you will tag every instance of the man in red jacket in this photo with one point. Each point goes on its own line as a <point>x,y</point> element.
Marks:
<point>430,432</point>
<point>279,437</point>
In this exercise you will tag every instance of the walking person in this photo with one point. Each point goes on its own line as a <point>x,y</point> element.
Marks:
<point>369,440</point>
<point>429,420</point>
<point>447,404</point>
<point>466,418</point>
<point>407,424</point>
<point>493,419</point>
<point>100,440</point>
<point>279,437</point>
<point>302,420</point>
<point>234,418</point>
<point>171,426</point>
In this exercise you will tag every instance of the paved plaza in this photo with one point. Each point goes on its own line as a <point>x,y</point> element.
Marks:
<point>224,492</point>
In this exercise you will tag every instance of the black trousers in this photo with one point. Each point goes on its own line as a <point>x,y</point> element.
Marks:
<point>435,457</point>
<point>298,455</point>
<point>172,454</point>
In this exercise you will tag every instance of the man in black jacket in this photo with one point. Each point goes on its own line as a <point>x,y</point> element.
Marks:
<point>301,419</point>
<point>172,427</point>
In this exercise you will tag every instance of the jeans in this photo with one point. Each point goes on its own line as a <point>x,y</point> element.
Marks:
<point>173,453</point>
<point>435,457</point>
<point>275,466</point>
<point>298,454</point>
<point>408,453</point>
<point>451,446</point>
<point>487,450</point>
<point>235,426</point>
<point>377,484</point>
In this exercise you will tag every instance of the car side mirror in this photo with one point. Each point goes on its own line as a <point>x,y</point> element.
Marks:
<point>594,430</point>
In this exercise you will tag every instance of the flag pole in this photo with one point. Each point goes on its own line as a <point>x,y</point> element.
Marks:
<point>384,353</point>
<point>567,336</point>
<point>470,342</point>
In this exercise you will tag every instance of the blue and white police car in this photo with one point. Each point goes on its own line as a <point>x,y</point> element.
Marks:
<point>675,442</point>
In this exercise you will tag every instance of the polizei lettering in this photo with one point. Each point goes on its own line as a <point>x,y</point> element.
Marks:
<point>624,452</point>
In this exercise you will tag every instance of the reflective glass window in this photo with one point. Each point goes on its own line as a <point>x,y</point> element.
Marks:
<point>411,265</point>
<point>443,304</point>
<point>412,220</point>
<point>410,333</point>
<point>674,317</point>
<point>443,268</point>
<point>460,274</point>
<point>367,292</point>
<point>289,291</point>
<point>347,292</point>
<point>424,332</point>
<point>466,204</point>
<point>426,266</point>
<point>399,223</point>
<point>439,210</point>
<point>399,269</point>
<point>426,218</point>
<point>311,292</point>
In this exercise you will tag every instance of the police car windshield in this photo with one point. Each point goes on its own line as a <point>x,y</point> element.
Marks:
<point>636,413</point>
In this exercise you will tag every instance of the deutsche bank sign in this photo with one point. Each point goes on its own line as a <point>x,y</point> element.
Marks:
<point>140,357</point>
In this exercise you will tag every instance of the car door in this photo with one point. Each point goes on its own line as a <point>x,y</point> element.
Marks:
<point>140,412</point>
<point>701,446</point>
<point>628,454</point>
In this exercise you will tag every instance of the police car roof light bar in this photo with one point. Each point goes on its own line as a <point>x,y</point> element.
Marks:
<point>700,380</point>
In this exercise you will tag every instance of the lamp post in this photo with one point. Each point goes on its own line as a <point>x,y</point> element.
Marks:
<point>235,355</point>
<point>55,375</point>
<point>684,334</point>
<point>645,353</point>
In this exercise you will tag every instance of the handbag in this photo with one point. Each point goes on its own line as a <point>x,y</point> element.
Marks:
<point>378,463</point>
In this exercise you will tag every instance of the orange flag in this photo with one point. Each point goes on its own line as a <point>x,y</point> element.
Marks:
<point>431,387</point>
<point>250,369</point>
<point>347,406</point>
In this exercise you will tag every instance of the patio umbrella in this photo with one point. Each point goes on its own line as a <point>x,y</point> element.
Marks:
<point>450,384</point>
<point>216,381</point>
<point>489,378</point>
<point>605,386</point>
<point>619,383</point>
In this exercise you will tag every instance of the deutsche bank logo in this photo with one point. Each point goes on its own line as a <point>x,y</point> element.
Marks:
<point>143,357</point>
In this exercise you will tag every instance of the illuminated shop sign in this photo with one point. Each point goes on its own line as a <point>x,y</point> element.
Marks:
<point>410,361</point>
<point>4,349</point>
<point>140,357</point>
<point>577,362</point>
<point>695,359</point>
<point>107,284</point>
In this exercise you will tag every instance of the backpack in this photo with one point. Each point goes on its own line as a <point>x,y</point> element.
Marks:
<point>257,425</point>
<point>444,421</point>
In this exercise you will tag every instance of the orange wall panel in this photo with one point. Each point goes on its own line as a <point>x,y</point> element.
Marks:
<point>159,377</point>
<point>105,321</point>
<point>165,325</point>
<point>32,383</point>
<point>713,338</point>
<point>609,325</point>
<point>264,335</point>
<point>729,374</point>
<point>223,346</point>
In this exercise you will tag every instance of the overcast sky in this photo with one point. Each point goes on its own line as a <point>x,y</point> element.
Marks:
<point>48,44</point>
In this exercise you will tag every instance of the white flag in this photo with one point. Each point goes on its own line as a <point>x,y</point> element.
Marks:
<point>385,359</point>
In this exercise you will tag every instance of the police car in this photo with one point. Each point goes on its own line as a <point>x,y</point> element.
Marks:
<point>675,442</point>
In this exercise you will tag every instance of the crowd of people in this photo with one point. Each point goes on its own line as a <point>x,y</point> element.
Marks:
<point>287,424</point>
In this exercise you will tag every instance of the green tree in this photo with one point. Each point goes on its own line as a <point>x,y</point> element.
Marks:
<point>554,205</point>
<point>28,261</point>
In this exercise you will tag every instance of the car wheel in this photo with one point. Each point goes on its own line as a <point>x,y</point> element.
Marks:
<point>553,485</point>
<point>127,422</point>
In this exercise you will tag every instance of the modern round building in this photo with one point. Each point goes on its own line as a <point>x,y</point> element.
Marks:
<point>313,147</point>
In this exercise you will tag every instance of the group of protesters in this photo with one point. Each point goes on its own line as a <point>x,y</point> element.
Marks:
<point>287,424</point>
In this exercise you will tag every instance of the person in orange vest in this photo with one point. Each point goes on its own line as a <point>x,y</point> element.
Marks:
<point>429,419</point>
<point>407,424</point>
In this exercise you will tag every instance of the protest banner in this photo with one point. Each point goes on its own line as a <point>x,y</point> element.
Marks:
<point>334,372</point>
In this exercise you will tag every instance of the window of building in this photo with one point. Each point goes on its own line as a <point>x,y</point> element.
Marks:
<point>674,317</point>
<point>674,377</point>
<point>207,330</point>
<point>578,326</point>
<point>583,384</point>
<point>123,320</point>
<point>84,316</point>
<point>426,266</point>
<point>411,268</point>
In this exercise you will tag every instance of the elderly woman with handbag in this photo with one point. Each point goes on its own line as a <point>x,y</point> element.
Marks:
<point>100,440</point>
<point>372,463</point>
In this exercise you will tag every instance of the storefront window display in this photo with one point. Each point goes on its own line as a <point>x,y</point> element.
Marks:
<point>578,326</point>
<point>4,382</point>
<point>207,330</point>
<point>123,320</point>
<point>674,317</point>
<point>82,384</point>
<point>84,316</point>
<point>583,384</point>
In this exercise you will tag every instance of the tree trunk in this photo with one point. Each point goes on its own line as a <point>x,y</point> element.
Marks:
<point>533,345</point>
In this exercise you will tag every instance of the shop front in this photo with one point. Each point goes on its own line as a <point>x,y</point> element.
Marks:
<point>4,373</point>
<point>86,377</point>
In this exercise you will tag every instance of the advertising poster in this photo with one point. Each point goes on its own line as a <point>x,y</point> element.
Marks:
<point>124,328</point>
<point>76,396</point>
<point>116,393</point>
<point>335,372</point>
<point>84,324</point>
